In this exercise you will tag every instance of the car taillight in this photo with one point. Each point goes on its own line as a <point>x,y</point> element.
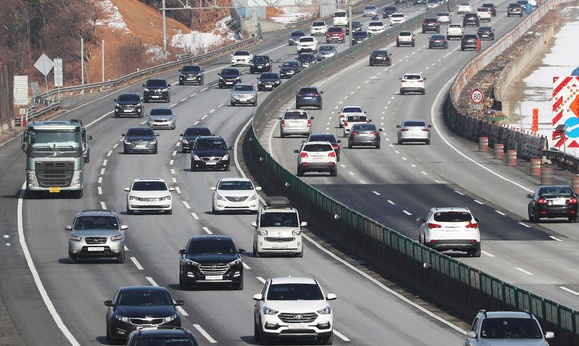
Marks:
<point>336,147</point>
<point>282,123</point>
<point>542,200</point>
<point>332,154</point>
<point>572,200</point>
<point>433,225</point>
<point>345,123</point>
<point>426,130</point>
<point>309,123</point>
<point>354,132</point>
<point>403,130</point>
<point>304,154</point>
<point>342,116</point>
<point>471,225</point>
<point>420,81</point>
<point>374,133</point>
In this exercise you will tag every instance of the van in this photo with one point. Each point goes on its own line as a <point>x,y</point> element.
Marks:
<point>340,18</point>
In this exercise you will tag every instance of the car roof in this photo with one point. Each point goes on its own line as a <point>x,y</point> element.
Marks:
<point>96,213</point>
<point>506,314</point>
<point>143,288</point>
<point>234,179</point>
<point>448,209</point>
<point>211,236</point>
<point>166,331</point>
<point>292,280</point>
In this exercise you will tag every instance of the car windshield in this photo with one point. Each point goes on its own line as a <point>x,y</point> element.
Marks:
<point>144,132</point>
<point>295,115</point>
<point>555,192</point>
<point>260,58</point>
<point>161,111</point>
<point>510,328</point>
<point>156,83</point>
<point>412,76</point>
<point>452,216</point>
<point>230,72</point>
<point>149,186</point>
<point>307,39</point>
<point>129,98</point>
<point>317,147</point>
<point>306,57</point>
<point>163,340</point>
<point>376,24</point>
<point>235,185</point>
<point>144,298</point>
<point>329,138</point>
<point>352,110</point>
<point>364,127</point>
<point>290,64</point>
<point>294,292</point>
<point>414,124</point>
<point>268,75</point>
<point>279,219</point>
<point>243,87</point>
<point>308,91</point>
<point>191,69</point>
<point>211,246</point>
<point>241,53</point>
<point>210,145</point>
<point>197,132</point>
<point>335,29</point>
<point>326,48</point>
<point>96,222</point>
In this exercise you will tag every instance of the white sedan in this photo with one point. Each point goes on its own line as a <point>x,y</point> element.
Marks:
<point>375,27</point>
<point>397,18</point>
<point>149,194</point>
<point>235,194</point>
<point>241,58</point>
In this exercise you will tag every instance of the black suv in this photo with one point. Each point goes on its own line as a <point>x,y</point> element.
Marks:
<point>156,89</point>
<point>212,260</point>
<point>191,74</point>
<point>470,19</point>
<point>309,96</point>
<point>162,336</point>
<point>190,135</point>
<point>260,63</point>
<point>469,41</point>
<point>228,77</point>
<point>430,24</point>
<point>210,152</point>
<point>128,104</point>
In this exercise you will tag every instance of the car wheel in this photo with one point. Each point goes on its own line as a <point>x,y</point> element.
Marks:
<point>121,257</point>
<point>475,252</point>
<point>239,285</point>
<point>255,104</point>
<point>182,284</point>
<point>334,173</point>
<point>193,168</point>
<point>377,146</point>
<point>129,211</point>
<point>329,340</point>
<point>116,115</point>
<point>71,259</point>
<point>573,218</point>
<point>400,142</point>
<point>350,145</point>
<point>300,173</point>
<point>232,104</point>
<point>397,44</point>
<point>169,212</point>
<point>300,254</point>
<point>423,92</point>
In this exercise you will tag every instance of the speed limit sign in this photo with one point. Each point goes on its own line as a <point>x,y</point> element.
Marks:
<point>477,96</point>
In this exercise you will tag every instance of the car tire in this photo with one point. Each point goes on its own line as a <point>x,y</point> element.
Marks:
<point>255,104</point>
<point>377,146</point>
<point>300,173</point>
<point>232,104</point>
<point>329,340</point>
<point>121,257</point>
<point>334,173</point>
<point>129,211</point>
<point>573,218</point>
<point>182,284</point>
<point>475,252</point>
<point>169,212</point>
<point>239,286</point>
<point>71,259</point>
<point>193,168</point>
<point>300,254</point>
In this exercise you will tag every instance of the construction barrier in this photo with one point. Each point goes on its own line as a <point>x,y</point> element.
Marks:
<point>483,144</point>
<point>499,151</point>
<point>535,167</point>
<point>511,157</point>
<point>547,175</point>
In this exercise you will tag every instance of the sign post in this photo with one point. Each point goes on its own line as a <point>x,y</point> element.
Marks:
<point>476,98</point>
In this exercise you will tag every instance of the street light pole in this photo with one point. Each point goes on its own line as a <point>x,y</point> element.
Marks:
<point>350,22</point>
<point>164,34</point>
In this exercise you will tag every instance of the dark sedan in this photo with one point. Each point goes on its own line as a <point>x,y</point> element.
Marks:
<point>294,37</point>
<point>289,69</point>
<point>469,41</point>
<point>268,81</point>
<point>141,139</point>
<point>550,201</point>
<point>327,137</point>
<point>364,134</point>
<point>359,36</point>
<point>190,135</point>
<point>388,10</point>
<point>437,41</point>
<point>210,152</point>
<point>128,104</point>
<point>136,307</point>
<point>486,33</point>
<point>306,60</point>
<point>211,260</point>
<point>228,77</point>
<point>380,57</point>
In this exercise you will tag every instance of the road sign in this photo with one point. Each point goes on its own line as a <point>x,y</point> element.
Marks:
<point>477,96</point>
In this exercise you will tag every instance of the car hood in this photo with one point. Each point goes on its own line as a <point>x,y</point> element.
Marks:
<point>140,138</point>
<point>96,232</point>
<point>279,230</point>
<point>213,258</point>
<point>243,92</point>
<point>296,306</point>
<point>141,311</point>
<point>512,342</point>
<point>161,117</point>
<point>127,103</point>
<point>268,79</point>
<point>235,193</point>
<point>152,193</point>
<point>229,76</point>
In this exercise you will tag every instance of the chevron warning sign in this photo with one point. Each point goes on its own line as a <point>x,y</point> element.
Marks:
<point>566,112</point>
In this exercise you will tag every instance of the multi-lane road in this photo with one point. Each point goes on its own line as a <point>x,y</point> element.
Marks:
<point>54,302</point>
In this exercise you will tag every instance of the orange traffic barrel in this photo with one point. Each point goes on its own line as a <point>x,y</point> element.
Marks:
<point>535,167</point>
<point>575,184</point>
<point>499,151</point>
<point>547,175</point>
<point>483,144</point>
<point>511,157</point>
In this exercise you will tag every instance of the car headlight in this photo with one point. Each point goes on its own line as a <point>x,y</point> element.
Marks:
<point>219,197</point>
<point>153,141</point>
<point>262,232</point>
<point>234,263</point>
<point>269,311</point>
<point>184,141</point>
<point>325,311</point>
<point>225,157</point>
<point>166,198</point>
<point>170,318</point>
<point>252,198</point>
<point>164,90</point>
<point>146,89</point>
<point>296,232</point>
<point>195,157</point>
<point>118,106</point>
<point>128,142</point>
<point>117,237</point>
<point>122,318</point>
<point>191,263</point>
<point>75,237</point>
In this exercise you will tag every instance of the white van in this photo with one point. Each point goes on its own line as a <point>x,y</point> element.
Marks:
<point>340,18</point>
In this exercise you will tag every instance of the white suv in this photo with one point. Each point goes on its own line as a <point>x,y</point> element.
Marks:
<point>494,328</point>
<point>295,122</point>
<point>318,27</point>
<point>352,119</point>
<point>454,31</point>
<point>293,307</point>
<point>317,157</point>
<point>450,228</point>
<point>412,82</point>
<point>349,110</point>
<point>340,18</point>
<point>278,229</point>
<point>307,44</point>
<point>149,194</point>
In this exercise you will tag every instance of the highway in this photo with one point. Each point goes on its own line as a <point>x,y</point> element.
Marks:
<point>394,185</point>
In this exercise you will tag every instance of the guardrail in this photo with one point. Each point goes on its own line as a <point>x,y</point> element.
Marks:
<point>450,282</point>
<point>92,87</point>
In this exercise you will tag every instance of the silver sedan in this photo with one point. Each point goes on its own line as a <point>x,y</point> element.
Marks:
<point>415,130</point>
<point>162,117</point>
<point>243,94</point>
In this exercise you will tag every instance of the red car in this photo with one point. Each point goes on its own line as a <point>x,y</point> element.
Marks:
<point>336,33</point>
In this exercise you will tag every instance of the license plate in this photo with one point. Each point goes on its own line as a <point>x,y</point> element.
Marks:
<point>557,202</point>
<point>54,189</point>
<point>96,248</point>
<point>297,326</point>
<point>214,277</point>
<point>211,163</point>
<point>280,246</point>
<point>140,146</point>
<point>128,110</point>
